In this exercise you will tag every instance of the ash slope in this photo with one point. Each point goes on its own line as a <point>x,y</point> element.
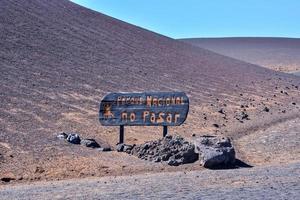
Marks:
<point>58,59</point>
<point>281,54</point>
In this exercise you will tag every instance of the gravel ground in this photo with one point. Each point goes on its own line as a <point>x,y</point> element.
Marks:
<point>276,144</point>
<point>269,182</point>
<point>297,73</point>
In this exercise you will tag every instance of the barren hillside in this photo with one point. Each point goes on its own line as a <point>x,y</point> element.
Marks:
<point>58,59</point>
<point>281,54</point>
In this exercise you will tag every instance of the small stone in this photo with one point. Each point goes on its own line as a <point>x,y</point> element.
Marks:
<point>89,143</point>
<point>127,148</point>
<point>172,162</point>
<point>168,137</point>
<point>104,149</point>
<point>62,136</point>
<point>242,116</point>
<point>157,159</point>
<point>266,109</point>
<point>7,179</point>
<point>39,170</point>
<point>216,125</point>
<point>221,111</point>
<point>120,147</point>
<point>73,138</point>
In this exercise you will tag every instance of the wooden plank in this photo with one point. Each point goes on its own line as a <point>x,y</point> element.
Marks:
<point>144,109</point>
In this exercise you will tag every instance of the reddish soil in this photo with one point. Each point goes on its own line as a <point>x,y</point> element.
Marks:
<point>281,54</point>
<point>58,59</point>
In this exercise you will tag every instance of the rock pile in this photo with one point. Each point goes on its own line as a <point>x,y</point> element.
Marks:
<point>212,151</point>
<point>215,152</point>
<point>242,116</point>
<point>74,138</point>
<point>171,149</point>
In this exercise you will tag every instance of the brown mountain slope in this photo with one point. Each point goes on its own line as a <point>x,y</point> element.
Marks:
<point>57,61</point>
<point>281,54</point>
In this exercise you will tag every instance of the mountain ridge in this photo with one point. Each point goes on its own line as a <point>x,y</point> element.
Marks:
<point>277,53</point>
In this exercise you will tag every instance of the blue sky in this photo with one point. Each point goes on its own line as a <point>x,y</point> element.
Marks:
<point>210,18</point>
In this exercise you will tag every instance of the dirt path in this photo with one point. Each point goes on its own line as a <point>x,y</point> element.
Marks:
<point>268,182</point>
<point>277,144</point>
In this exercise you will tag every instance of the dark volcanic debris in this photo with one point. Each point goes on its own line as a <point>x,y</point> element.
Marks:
<point>171,149</point>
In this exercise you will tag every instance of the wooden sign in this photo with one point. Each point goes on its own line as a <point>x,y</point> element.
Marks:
<point>144,109</point>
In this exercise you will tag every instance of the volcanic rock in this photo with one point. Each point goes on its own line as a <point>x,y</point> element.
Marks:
<point>89,143</point>
<point>215,152</point>
<point>73,138</point>
<point>7,179</point>
<point>104,149</point>
<point>242,116</point>
<point>62,136</point>
<point>216,125</point>
<point>121,147</point>
<point>222,111</point>
<point>173,150</point>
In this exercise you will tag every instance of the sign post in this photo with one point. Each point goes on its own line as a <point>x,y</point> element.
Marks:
<point>165,132</point>
<point>121,137</point>
<point>144,109</point>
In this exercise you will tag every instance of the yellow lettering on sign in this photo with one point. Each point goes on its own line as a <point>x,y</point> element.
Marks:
<point>127,100</point>
<point>160,100</point>
<point>161,117</point>
<point>148,100</point>
<point>124,116</point>
<point>168,101</point>
<point>152,117</point>
<point>176,117</point>
<point>136,100</point>
<point>155,101</point>
<point>141,100</point>
<point>123,100</point>
<point>131,100</point>
<point>119,100</point>
<point>145,114</point>
<point>169,118</point>
<point>173,100</point>
<point>132,117</point>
